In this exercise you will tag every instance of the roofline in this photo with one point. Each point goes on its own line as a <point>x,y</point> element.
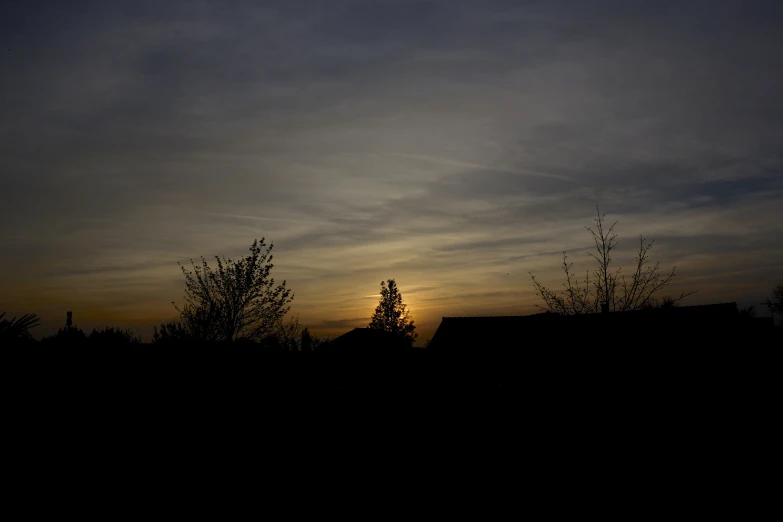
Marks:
<point>733,303</point>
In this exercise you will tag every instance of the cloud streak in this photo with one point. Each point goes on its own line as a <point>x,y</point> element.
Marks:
<point>443,144</point>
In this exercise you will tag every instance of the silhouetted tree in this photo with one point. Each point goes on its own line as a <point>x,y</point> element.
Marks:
<point>289,334</point>
<point>69,336</point>
<point>198,322</point>
<point>665,302</point>
<point>110,336</point>
<point>306,341</point>
<point>392,314</point>
<point>172,332</point>
<point>320,343</point>
<point>238,299</point>
<point>776,303</point>
<point>748,313</point>
<point>18,329</point>
<point>609,290</point>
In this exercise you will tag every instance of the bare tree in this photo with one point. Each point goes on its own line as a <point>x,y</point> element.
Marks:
<point>776,303</point>
<point>608,290</point>
<point>238,299</point>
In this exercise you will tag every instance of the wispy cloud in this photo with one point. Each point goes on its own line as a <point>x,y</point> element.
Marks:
<point>472,166</point>
<point>444,144</point>
<point>256,218</point>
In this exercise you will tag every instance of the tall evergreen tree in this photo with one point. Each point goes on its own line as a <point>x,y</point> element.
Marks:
<point>392,314</point>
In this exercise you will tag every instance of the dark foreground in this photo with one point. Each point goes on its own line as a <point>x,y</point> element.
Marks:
<point>607,370</point>
<point>645,421</point>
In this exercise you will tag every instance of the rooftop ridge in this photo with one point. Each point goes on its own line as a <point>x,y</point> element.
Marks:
<point>542,314</point>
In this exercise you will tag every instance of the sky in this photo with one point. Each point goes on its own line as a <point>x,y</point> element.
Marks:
<point>453,145</point>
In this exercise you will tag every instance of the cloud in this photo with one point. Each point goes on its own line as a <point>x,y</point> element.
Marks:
<point>473,167</point>
<point>360,322</point>
<point>439,143</point>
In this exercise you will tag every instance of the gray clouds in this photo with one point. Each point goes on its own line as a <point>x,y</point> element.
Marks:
<point>377,139</point>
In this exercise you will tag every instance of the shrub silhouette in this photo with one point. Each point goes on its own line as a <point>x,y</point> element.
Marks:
<point>110,336</point>
<point>18,330</point>
<point>68,336</point>
<point>776,303</point>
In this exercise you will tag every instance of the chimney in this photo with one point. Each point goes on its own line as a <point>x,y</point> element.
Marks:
<point>69,319</point>
<point>604,308</point>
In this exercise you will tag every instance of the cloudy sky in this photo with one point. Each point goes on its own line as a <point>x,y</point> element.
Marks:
<point>452,145</point>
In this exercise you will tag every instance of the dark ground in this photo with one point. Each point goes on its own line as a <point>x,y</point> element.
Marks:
<point>646,424</point>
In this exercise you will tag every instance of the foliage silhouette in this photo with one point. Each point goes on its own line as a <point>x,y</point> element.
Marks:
<point>171,332</point>
<point>665,302</point>
<point>609,290</point>
<point>292,336</point>
<point>777,293</point>
<point>776,303</point>
<point>289,334</point>
<point>68,336</point>
<point>18,329</point>
<point>111,336</point>
<point>237,300</point>
<point>392,314</point>
<point>306,341</point>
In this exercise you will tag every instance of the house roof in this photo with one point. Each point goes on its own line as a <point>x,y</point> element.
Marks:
<point>467,332</point>
<point>366,338</point>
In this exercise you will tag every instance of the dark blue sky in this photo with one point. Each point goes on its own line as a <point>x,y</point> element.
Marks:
<point>451,145</point>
